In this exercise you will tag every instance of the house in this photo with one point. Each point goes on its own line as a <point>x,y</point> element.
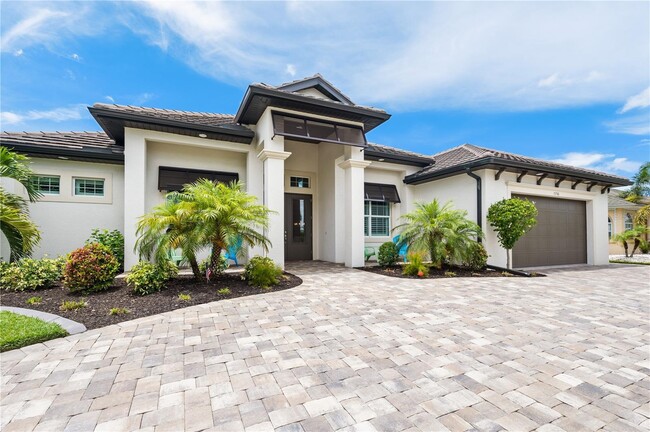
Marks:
<point>620,218</point>
<point>301,148</point>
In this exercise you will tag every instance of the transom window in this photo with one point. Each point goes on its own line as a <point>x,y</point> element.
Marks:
<point>299,182</point>
<point>47,185</point>
<point>628,222</point>
<point>377,218</point>
<point>305,129</point>
<point>89,187</point>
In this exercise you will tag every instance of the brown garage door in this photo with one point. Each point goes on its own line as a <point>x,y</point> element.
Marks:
<point>560,236</point>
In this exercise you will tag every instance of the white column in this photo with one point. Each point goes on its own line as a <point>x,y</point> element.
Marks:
<point>135,176</point>
<point>273,161</point>
<point>255,187</point>
<point>354,239</point>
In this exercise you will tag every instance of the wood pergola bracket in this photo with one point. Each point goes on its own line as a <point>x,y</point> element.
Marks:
<point>497,176</point>
<point>559,181</point>
<point>521,175</point>
<point>541,178</point>
<point>576,183</point>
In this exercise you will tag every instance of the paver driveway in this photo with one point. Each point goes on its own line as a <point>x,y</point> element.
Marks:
<point>357,351</point>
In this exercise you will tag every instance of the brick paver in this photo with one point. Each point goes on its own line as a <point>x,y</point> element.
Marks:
<point>350,350</point>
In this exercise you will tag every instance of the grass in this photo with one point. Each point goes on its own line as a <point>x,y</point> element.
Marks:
<point>184,297</point>
<point>119,311</point>
<point>34,300</point>
<point>450,274</point>
<point>17,331</point>
<point>72,305</point>
<point>224,291</point>
<point>628,262</point>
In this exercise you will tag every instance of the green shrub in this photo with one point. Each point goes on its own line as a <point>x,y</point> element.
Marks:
<point>90,268</point>
<point>644,246</point>
<point>262,272</point>
<point>415,265</point>
<point>72,305</point>
<point>119,311</point>
<point>224,291</point>
<point>114,240</point>
<point>34,300</point>
<point>221,267</point>
<point>184,297</point>
<point>30,274</point>
<point>17,331</point>
<point>388,254</point>
<point>476,258</point>
<point>146,278</point>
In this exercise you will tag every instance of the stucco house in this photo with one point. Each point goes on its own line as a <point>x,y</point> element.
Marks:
<point>620,218</point>
<point>301,148</point>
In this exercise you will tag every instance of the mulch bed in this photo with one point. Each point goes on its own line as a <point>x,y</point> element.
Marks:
<point>96,313</point>
<point>444,272</point>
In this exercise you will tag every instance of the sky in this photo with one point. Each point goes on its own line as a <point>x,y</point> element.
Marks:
<point>568,81</point>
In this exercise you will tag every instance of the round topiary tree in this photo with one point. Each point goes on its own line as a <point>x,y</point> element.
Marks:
<point>511,218</point>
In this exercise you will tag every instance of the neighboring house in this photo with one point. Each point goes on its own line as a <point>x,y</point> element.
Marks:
<point>301,149</point>
<point>620,218</point>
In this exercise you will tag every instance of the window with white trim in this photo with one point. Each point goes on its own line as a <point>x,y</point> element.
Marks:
<point>47,185</point>
<point>89,187</point>
<point>376,218</point>
<point>628,222</point>
<point>299,182</point>
<point>609,228</point>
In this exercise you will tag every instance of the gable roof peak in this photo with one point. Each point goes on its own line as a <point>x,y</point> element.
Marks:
<point>318,82</point>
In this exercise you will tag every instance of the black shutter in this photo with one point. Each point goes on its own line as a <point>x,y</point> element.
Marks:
<point>173,179</point>
<point>381,192</point>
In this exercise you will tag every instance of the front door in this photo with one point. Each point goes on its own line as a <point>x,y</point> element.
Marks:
<point>297,227</point>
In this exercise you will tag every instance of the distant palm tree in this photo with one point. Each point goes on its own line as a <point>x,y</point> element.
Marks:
<point>21,233</point>
<point>445,233</point>
<point>169,226</point>
<point>623,238</point>
<point>638,233</point>
<point>641,185</point>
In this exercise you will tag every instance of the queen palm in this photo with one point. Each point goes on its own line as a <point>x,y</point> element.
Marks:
<point>21,233</point>
<point>445,233</point>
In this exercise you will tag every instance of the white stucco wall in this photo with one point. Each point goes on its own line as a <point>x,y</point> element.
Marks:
<point>66,220</point>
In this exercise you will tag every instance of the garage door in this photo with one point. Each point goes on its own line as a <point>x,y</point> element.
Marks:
<point>560,236</point>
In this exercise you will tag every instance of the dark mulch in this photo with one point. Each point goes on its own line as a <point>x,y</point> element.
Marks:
<point>96,313</point>
<point>444,272</point>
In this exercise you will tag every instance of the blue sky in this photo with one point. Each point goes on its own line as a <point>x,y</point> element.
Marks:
<point>562,81</point>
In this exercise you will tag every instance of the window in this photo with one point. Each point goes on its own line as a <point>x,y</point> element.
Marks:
<point>609,228</point>
<point>377,218</point>
<point>299,182</point>
<point>317,130</point>
<point>47,185</point>
<point>89,187</point>
<point>628,222</point>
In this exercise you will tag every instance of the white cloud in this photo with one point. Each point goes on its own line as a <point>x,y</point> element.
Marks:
<point>599,162</point>
<point>74,112</point>
<point>18,53</point>
<point>76,57</point>
<point>633,125</point>
<point>291,69</point>
<point>110,99</point>
<point>641,100</point>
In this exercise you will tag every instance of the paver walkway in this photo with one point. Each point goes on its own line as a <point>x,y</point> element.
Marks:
<point>351,350</point>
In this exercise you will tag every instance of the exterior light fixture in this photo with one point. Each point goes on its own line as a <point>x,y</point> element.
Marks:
<point>203,136</point>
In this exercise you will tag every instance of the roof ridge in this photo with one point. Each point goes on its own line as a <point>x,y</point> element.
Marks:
<point>402,150</point>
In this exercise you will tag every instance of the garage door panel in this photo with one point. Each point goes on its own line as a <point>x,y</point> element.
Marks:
<point>560,236</point>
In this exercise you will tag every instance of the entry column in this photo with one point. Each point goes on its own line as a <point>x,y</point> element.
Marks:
<point>273,161</point>
<point>135,180</point>
<point>354,238</point>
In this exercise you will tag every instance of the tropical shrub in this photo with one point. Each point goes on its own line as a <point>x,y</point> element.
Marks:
<point>476,258</point>
<point>31,274</point>
<point>204,214</point>
<point>21,233</point>
<point>445,233</point>
<point>415,265</point>
<point>262,272</point>
<point>644,246</point>
<point>511,218</point>
<point>90,268</point>
<point>114,240</point>
<point>147,278</point>
<point>388,254</point>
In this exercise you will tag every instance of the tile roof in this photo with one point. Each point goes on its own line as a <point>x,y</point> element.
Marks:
<point>393,151</point>
<point>468,153</point>
<point>190,117</point>
<point>319,77</point>
<point>61,140</point>
<point>614,200</point>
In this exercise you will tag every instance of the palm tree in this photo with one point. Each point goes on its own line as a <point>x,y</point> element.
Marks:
<point>223,212</point>
<point>625,237</point>
<point>443,232</point>
<point>168,227</point>
<point>638,233</point>
<point>641,185</point>
<point>21,233</point>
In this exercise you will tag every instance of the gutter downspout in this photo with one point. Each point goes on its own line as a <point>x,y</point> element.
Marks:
<point>479,200</point>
